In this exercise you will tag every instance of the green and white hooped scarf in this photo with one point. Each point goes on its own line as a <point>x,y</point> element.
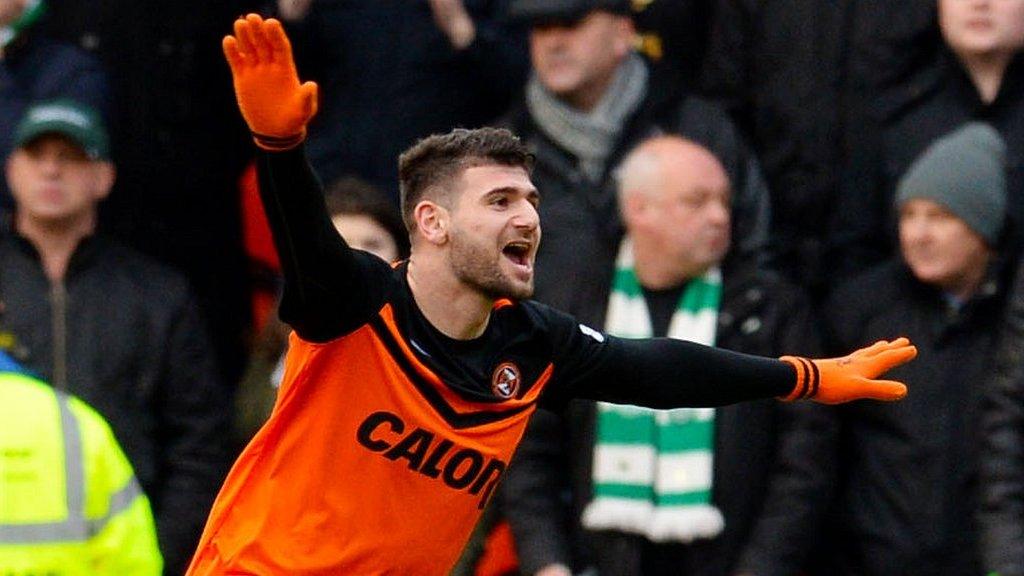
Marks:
<point>653,468</point>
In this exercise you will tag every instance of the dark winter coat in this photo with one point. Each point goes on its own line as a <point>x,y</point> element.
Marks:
<point>549,482</point>
<point>1001,518</point>
<point>904,475</point>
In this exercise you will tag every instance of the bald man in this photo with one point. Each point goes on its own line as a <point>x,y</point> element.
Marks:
<point>675,198</point>
<point>683,498</point>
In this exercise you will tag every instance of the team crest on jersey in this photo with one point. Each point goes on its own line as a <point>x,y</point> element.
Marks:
<point>505,382</point>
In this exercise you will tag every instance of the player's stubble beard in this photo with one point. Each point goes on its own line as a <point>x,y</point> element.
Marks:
<point>479,267</point>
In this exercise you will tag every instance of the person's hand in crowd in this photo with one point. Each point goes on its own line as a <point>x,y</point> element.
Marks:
<point>273,102</point>
<point>293,10</point>
<point>554,570</point>
<point>852,377</point>
<point>452,18</point>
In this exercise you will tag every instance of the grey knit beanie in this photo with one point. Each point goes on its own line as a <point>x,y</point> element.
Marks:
<point>964,171</point>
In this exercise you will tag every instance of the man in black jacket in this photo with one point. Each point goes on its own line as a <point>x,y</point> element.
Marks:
<point>674,197</point>
<point>590,100</point>
<point>100,321</point>
<point>178,145</point>
<point>905,477</point>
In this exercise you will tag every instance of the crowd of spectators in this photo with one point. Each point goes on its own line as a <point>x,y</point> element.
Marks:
<point>768,177</point>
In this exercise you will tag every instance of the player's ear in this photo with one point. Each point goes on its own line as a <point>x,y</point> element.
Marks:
<point>432,221</point>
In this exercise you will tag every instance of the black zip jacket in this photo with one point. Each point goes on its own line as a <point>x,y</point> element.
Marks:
<point>123,333</point>
<point>904,475</point>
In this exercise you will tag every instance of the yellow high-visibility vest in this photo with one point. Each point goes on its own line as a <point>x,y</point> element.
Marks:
<point>69,502</point>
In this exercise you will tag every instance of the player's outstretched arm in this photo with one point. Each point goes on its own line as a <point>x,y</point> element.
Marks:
<point>853,377</point>
<point>667,373</point>
<point>329,289</point>
<point>274,104</point>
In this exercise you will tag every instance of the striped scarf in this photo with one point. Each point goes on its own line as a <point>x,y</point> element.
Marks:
<point>653,468</point>
<point>590,136</point>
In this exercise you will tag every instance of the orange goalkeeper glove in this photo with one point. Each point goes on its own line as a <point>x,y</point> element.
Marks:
<point>852,377</point>
<point>275,106</point>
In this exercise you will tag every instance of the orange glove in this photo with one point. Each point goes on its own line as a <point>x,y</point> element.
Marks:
<point>852,377</point>
<point>275,106</point>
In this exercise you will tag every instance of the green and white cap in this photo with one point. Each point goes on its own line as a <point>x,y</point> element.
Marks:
<point>78,122</point>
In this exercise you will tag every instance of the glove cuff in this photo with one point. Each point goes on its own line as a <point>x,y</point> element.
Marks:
<point>807,378</point>
<point>278,143</point>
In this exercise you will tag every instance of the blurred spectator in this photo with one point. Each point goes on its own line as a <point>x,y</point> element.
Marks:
<point>69,502</point>
<point>394,71</point>
<point>982,78</point>
<point>33,67</point>
<point>905,475</point>
<point>590,99</point>
<point>669,281</point>
<point>672,35</point>
<point>105,323</point>
<point>179,143</point>
<point>1001,516</point>
<point>803,80</point>
<point>368,221</point>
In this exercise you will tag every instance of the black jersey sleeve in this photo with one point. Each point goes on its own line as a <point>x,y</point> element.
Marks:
<point>656,372</point>
<point>330,289</point>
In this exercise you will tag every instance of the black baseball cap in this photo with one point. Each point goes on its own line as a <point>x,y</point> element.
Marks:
<point>78,122</point>
<point>531,11</point>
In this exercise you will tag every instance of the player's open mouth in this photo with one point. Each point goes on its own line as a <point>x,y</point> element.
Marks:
<point>519,253</point>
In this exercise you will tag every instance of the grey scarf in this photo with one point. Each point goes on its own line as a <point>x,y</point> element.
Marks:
<point>590,136</point>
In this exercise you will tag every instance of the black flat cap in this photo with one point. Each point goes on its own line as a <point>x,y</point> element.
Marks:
<point>529,11</point>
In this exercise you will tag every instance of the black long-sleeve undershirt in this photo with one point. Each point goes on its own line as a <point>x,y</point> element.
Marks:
<point>331,289</point>
<point>667,373</point>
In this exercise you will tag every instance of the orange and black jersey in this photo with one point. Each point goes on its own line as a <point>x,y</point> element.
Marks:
<point>388,437</point>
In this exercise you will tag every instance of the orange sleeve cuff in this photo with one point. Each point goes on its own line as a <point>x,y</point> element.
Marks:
<point>807,378</point>
<point>278,143</point>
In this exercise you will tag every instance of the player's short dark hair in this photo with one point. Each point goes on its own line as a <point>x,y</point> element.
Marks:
<point>354,196</point>
<point>432,163</point>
